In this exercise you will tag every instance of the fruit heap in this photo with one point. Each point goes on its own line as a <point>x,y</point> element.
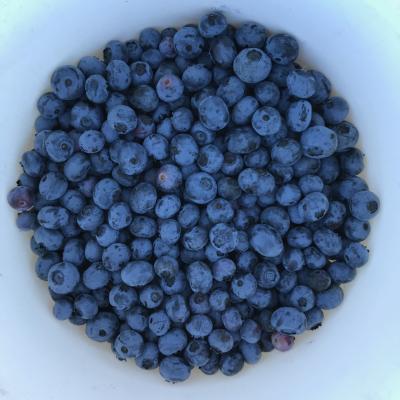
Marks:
<point>194,196</point>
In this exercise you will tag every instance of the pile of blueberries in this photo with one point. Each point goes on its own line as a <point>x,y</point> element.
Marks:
<point>194,196</point>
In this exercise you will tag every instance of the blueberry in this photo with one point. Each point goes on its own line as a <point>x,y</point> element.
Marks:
<point>105,235</point>
<point>167,206</point>
<point>85,116</point>
<point>340,272</point>
<point>115,50</point>
<point>288,320</point>
<point>122,119</point>
<point>90,218</point>
<point>144,98</point>
<point>330,298</point>
<point>73,201</point>
<point>276,217</point>
<point>199,326</point>
<point>328,241</point>
<point>52,217</point>
<point>252,65</point>
<point>266,240</point>
<point>352,162</point>
<point>313,206</point>
<point>143,198</point>
<point>299,237</point>
<point>159,323</point>
<point>188,42</point>
<point>166,47</point>
<point>128,344</point>
<point>119,216</point>
<point>256,182</point>
<point>347,135</point>
<point>355,254</point>
<point>364,205</point>
<point>250,331</point>
<point>212,25</point>
<point>96,89</point>
<point>148,359</point>
<point>201,134</point>
<point>156,146</point>
<point>314,258</point>
<point>153,57</point>
<point>244,109</point>
<point>26,221</point>
<point>286,152</point>
<point>229,189</point>
<point>137,318</point>
<point>213,113</point>
<point>323,87</point>
<point>172,342</point>
<point>183,149</point>
<point>266,121</point>
<point>142,249</point>
<point>132,158</point>
<point>223,52</point>
<point>50,106</point>
<point>85,306</point>
<point>50,239</point>
<point>169,88</point>
<point>21,198</point>
<point>200,188</point>
<point>199,277</point>
<point>197,352</point>
<point>115,256</point>
<point>177,309</point>
<point>350,186</point>
<point>282,48</point>
<point>42,123</point>
<point>149,38</point>
<point>77,167</point>
<point>243,141</point>
<point>91,65</point>
<point>220,340</point>
<point>151,296</point>
<point>93,251</point>
<point>195,238</point>
<point>67,82</point>
<point>267,275</point>
<point>301,84</point>
<point>250,34</point>
<point>174,369</point>
<point>278,75</point>
<point>329,169</point>
<point>244,286</point>
<point>182,119</point>
<point>103,327</point>
<point>188,216</point>
<point>223,237</point>
<point>95,276</point>
<point>334,110</point>
<point>219,299</point>
<point>137,273</point>
<point>319,142</point>
<point>62,309</point>
<point>231,363</point>
<point>118,75</point>
<point>63,277</point>
<point>196,77</point>
<point>231,90</point>
<point>299,115</point>
<point>281,341</point>
<point>293,260</point>
<point>59,146</point>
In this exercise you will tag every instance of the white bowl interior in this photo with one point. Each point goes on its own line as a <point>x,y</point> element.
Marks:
<point>355,355</point>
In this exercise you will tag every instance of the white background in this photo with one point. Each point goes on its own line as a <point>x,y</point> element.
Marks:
<point>356,354</point>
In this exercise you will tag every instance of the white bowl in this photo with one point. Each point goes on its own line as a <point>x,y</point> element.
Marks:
<point>355,355</point>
